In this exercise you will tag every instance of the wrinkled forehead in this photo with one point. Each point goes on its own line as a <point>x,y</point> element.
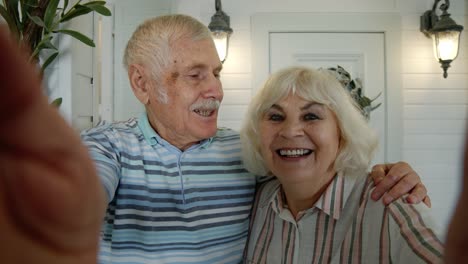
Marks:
<point>195,53</point>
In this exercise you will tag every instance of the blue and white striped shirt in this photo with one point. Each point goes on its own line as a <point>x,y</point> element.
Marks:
<point>167,205</point>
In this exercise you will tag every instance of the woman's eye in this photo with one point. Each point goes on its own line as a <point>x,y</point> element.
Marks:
<point>275,117</point>
<point>311,116</point>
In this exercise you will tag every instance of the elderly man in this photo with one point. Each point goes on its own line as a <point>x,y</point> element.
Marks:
<point>174,187</point>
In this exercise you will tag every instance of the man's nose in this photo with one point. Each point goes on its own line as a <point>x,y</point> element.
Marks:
<point>213,88</point>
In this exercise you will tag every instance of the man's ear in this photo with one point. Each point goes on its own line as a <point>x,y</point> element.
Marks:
<point>140,82</point>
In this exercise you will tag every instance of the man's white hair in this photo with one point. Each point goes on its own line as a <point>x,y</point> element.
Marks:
<point>150,44</point>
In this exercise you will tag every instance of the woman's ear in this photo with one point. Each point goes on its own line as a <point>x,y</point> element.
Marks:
<point>139,81</point>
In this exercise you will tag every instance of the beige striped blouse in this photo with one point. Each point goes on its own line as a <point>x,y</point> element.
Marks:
<point>344,226</point>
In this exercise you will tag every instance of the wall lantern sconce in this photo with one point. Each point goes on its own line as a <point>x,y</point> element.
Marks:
<point>445,34</point>
<point>221,31</point>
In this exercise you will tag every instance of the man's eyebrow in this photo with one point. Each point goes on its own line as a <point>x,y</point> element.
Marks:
<point>203,66</point>
<point>196,66</point>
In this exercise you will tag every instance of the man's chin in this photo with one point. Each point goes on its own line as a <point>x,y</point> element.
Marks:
<point>208,131</point>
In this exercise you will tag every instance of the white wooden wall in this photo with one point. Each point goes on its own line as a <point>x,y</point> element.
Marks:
<point>435,109</point>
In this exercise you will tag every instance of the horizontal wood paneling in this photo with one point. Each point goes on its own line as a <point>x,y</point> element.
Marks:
<point>430,65</point>
<point>232,112</point>
<point>435,141</point>
<point>434,157</point>
<point>435,112</point>
<point>236,81</point>
<point>436,97</point>
<point>236,97</point>
<point>238,60</point>
<point>434,126</point>
<point>242,6</point>
<point>435,81</point>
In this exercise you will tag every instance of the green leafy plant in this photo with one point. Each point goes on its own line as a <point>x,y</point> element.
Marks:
<point>35,24</point>
<point>354,87</point>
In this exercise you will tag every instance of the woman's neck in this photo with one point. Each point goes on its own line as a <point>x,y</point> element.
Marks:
<point>303,196</point>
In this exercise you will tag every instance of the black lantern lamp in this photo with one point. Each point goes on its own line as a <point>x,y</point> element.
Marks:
<point>221,31</point>
<point>445,34</point>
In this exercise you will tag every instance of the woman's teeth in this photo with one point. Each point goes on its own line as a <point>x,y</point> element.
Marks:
<point>294,152</point>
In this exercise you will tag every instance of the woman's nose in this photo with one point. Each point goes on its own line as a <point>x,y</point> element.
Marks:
<point>292,129</point>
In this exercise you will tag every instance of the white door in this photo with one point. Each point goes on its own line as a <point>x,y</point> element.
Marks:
<point>83,92</point>
<point>127,16</point>
<point>361,54</point>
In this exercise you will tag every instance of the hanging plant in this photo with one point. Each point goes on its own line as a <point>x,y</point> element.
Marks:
<point>354,87</point>
<point>36,23</point>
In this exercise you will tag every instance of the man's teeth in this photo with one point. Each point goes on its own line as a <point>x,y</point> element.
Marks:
<point>203,112</point>
<point>294,152</point>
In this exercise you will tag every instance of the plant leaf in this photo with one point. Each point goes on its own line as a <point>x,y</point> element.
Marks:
<point>9,20</point>
<point>78,36</point>
<point>77,11</point>
<point>44,44</point>
<point>95,3</point>
<point>50,13</point>
<point>27,6</point>
<point>57,102</point>
<point>377,96</point>
<point>12,8</point>
<point>100,9</point>
<point>37,20</point>
<point>65,5</point>
<point>29,3</point>
<point>375,107</point>
<point>49,61</point>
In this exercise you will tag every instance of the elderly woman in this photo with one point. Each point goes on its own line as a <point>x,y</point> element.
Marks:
<point>304,129</point>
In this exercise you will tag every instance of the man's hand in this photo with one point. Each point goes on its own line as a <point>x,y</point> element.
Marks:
<point>51,201</point>
<point>395,180</point>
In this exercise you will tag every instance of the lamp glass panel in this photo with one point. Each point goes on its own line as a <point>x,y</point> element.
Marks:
<point>446,44</point>
<point>221,41</point>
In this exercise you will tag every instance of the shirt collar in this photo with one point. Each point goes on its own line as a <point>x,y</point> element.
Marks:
<point>331,202</point>
<point>153,138</point>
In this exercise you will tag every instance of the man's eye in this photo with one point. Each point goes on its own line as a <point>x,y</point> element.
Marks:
<point>275,117</point>
<point>311,116</point>
<point>195,75</point>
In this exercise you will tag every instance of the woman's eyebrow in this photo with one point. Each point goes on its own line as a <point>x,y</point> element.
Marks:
<point>277,107</point>
<point>311,104</point>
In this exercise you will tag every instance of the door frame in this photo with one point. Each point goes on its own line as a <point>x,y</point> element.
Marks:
<point>106,60</point>
<point>104,65</point>
<point>262,24</point>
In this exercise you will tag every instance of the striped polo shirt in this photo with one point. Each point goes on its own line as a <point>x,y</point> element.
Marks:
<point>167,205</point>
<point>344,226</point>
